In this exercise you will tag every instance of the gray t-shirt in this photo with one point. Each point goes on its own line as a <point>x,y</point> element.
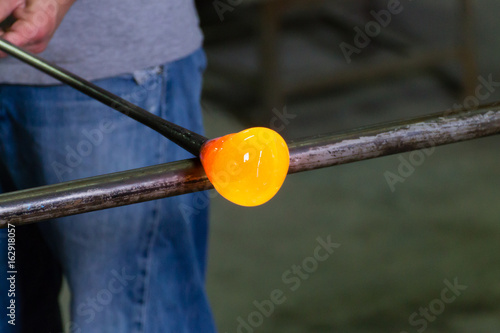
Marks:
<point>105,38</point>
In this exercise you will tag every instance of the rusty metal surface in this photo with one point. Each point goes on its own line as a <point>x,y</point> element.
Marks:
<point>393,138</point>
<point>187,176</point>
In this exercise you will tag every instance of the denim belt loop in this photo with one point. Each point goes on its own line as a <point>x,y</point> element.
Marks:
<point>143,75</point>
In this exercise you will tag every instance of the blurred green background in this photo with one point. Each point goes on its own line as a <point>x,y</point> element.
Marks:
<point>397,248</point>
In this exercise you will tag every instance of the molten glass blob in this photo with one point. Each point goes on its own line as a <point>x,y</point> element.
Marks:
<point>247,168</point>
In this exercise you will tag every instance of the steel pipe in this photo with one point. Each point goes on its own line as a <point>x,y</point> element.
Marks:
<point>166,180</point>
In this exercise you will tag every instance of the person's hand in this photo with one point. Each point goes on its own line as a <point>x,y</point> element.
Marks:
<point>35,22</point>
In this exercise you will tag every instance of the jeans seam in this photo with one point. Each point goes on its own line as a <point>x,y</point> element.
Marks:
<point>164,108</point>
<point>147,273</point>
<point>154,234</point>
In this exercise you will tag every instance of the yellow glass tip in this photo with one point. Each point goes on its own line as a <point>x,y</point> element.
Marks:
<point>247,168</point>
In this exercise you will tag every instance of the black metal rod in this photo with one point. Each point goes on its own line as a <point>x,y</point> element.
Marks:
<point>185,138</point>
<point>165,180</point>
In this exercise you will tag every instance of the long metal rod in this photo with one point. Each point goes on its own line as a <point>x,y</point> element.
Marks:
<point>166,180</point>
<point>185,138</point>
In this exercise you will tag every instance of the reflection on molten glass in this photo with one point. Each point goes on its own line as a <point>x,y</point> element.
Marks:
<point>247,168</point>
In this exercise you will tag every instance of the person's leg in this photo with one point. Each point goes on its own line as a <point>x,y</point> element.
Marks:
<point>180,247</point>
<point>139,268</point>
<point>30,276</point>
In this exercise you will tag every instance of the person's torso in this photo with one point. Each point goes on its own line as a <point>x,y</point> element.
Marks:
<point>104,38</point>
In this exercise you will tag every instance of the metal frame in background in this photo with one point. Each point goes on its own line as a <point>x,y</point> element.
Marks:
<point>411,54</point>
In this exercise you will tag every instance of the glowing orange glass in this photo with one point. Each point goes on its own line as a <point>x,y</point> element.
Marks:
<point>247,168</point>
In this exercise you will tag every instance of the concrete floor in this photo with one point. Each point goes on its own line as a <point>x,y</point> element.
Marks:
<point>398,248</point>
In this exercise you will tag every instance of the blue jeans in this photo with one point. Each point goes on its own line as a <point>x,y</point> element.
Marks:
<point>138,268</point>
